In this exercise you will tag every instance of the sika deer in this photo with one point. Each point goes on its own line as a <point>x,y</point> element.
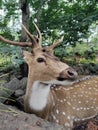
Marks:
<point>51,91</point>
<point>44,70</point>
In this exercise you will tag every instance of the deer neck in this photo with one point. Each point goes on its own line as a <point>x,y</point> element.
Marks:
<point>38,97</point>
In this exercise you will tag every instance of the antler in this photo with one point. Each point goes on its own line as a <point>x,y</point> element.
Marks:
<point>39,33</point>
<point>33,40</point>
<point>25,44</point>
<point>55,44</point>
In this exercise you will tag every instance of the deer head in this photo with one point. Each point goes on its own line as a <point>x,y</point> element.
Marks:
<point>41,61</point>
<point>44,70</point>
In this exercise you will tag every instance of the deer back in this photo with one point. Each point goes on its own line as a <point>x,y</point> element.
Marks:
<point>76,103</point>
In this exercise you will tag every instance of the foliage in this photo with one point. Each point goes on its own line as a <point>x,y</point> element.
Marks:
<point>54,18</point>
<point>10,56</point>
<point>81,53</point>
<point>71,19</point>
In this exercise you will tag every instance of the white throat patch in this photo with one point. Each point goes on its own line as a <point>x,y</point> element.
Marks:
<point>39,96</point>
<point>56,82</point>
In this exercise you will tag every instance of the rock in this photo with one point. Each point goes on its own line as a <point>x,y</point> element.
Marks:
<point>9,89</point>
<point>21,101</point>
<point>14,84</point>
<point>19,92</point>
<point>13,119</point>
<point>23,83</point>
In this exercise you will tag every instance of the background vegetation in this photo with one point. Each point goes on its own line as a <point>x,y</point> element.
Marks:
<point>77,20</point>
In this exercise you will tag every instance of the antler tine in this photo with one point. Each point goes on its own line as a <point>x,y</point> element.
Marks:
<point>33,40</point>
<point>39,33</point>
<point>22,44</point>
<point>55,44</point>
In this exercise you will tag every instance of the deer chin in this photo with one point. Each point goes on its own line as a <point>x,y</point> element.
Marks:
<point>57,82</point>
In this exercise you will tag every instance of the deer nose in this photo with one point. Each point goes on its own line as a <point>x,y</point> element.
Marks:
<point>71,73</point>
<point>68,73</point>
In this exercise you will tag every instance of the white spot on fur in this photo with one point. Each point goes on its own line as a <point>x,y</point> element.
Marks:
<point>39,96</point>
<point>87,101</point>
<point>92,107</point>
<point>68,103</point>
<point>81,108</point>
<point>68,117</point>
<point>84,108</point>
<point>57,111</point>
<point>79,102</point>
<point>73,108</point>
<point>78,109</point>
<point>63,113</point>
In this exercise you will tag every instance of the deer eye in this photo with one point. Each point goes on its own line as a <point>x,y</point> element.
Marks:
<point>43,50</point>
<point>40,60</point>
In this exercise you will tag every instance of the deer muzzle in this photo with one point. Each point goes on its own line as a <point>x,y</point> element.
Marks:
<point>67,74</point>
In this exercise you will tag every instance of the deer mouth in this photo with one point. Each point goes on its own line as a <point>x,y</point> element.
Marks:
<point>60,79</point>
<point>64,79</point>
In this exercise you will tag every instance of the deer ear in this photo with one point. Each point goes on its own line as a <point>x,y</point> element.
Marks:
<point>55,44</point>
<point>26,55</point>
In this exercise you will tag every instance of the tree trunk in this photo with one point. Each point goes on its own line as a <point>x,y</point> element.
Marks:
<point>25,18</point>
<point>25,22</point>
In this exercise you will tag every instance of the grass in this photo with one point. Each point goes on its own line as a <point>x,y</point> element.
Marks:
<point>8,109</point>
<point>4,93</point>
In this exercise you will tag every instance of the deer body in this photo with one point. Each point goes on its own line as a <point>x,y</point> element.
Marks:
<point>68,104</point>
<point>77,102</point>
<point>51,90</point>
